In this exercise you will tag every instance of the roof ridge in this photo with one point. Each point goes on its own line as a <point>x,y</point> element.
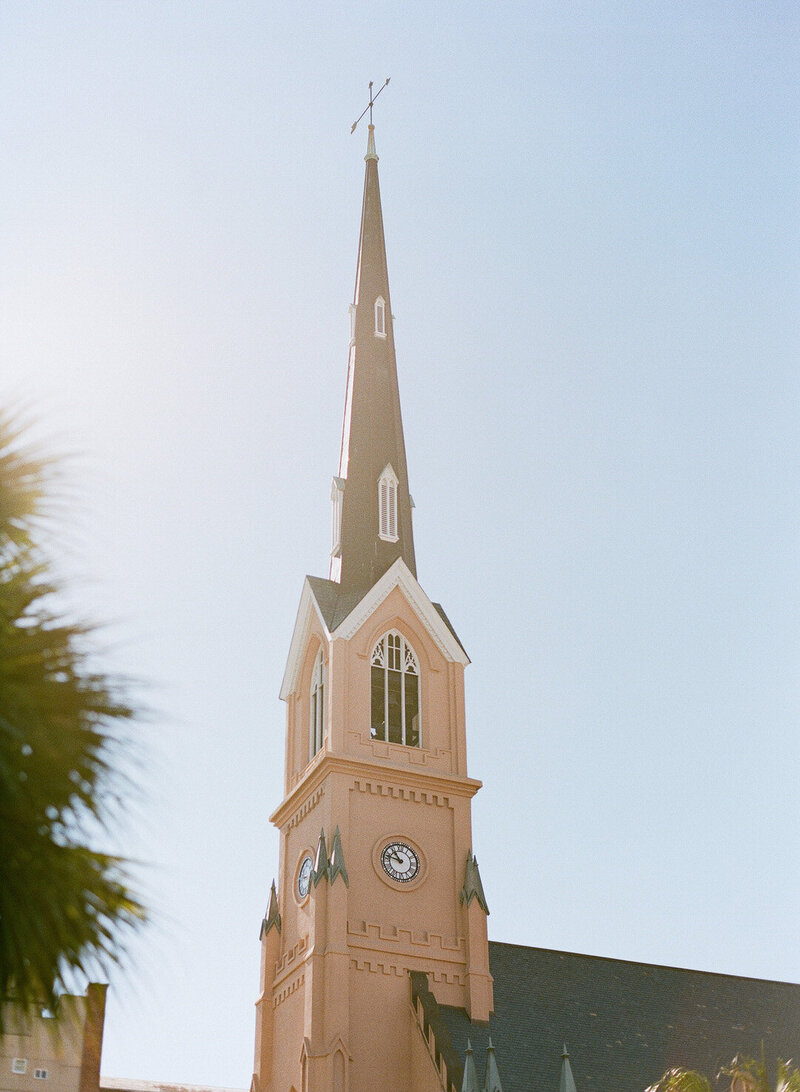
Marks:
<point>644,963</point>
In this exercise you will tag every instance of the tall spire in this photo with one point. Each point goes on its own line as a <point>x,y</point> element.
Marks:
<point>372,505</point>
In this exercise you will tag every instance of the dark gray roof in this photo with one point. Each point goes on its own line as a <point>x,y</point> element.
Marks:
<point>335,604</point>
<point>624,1023</point>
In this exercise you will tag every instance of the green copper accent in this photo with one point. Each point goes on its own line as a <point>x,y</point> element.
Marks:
<point>473,888</point>
<point>566,1081</point>
<point>492,1080</point>
<point>321,863</point>
<point>272,916</point>
<point>470,1082</point>
<point>336,866</point>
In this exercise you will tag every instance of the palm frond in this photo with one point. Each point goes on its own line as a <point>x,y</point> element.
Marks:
<point>788,1078</point>
<point>681,1080</point>
<point>64,906</point>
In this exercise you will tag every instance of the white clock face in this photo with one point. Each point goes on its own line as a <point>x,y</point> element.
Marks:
<point>400,862</point>
<point>304,876</point>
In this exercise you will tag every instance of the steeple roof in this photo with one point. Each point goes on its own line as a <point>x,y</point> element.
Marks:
<point>272,916</point>
<point>470,1082</point>
<point>372,434</point>
<point>491,1082</point>
<point>566,1082</point>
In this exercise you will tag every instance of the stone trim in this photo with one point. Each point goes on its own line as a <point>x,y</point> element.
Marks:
<point>362,768</point>
<point>374,936</point>
<point>292,987</point>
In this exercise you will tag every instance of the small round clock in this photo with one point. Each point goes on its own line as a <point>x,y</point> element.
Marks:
<point>304,876</point>
<point>400,862</point>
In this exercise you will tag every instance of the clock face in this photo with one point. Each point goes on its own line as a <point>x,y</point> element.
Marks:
<point>304,876</point>
<point>400,862</point>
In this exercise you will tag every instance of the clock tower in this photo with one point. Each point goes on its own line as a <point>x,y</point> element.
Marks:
<point>378,891</point>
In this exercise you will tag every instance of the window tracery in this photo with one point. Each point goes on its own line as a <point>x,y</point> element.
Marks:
<point>395,691</point>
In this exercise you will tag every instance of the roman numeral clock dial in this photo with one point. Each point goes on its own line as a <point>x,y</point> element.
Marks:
<point>400,862</point>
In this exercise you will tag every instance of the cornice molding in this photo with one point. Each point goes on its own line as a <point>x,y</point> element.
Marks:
<point>359,768</point>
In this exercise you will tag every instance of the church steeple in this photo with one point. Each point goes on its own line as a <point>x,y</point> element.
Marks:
<point>372,505</point>
<point>375,823</point>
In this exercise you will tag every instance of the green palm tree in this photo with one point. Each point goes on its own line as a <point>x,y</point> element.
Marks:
<point>746,1075</point>
<point>681,1080</point>
<point>64,905</point>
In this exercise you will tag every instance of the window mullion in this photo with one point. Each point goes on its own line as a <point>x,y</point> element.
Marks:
<point>386,689</point>
<point>403,691</point>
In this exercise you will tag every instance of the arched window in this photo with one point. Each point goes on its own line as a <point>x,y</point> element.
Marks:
<point>380,317</point>
<point>395,691</point>
<point>316,725</point>
<point>338,1072</point>
<point>387,505</point>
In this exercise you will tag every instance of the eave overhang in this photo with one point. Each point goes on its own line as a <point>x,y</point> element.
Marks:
<point>398,576</point>
<point>424,780</point>
<point>306,611</point>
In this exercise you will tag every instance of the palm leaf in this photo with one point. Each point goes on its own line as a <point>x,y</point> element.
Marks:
<point>64,906</point>
<point>681,1080</point>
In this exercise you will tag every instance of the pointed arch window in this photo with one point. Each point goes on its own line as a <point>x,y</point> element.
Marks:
<point>317,707</point>
<point>387,505</point>
<point>380,317</point>
<point>395,691</point>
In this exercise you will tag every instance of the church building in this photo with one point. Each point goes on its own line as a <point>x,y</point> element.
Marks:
<point>376,968</point>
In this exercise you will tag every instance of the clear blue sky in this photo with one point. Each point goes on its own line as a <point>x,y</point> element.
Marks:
<point>592,226</point>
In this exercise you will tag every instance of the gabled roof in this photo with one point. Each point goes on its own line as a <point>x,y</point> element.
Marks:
<point>342,612</point>
<point>334,603</point>
<point>626,1023</point>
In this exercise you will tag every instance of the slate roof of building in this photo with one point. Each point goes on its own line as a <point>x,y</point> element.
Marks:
<point>624,1023</point>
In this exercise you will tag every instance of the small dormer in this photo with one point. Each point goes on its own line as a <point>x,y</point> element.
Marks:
<point>380,317</point>
<point>387,505</point>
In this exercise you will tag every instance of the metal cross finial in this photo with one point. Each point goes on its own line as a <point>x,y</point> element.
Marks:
<point>369,105</point>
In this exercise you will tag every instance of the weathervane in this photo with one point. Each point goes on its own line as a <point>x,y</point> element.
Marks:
<point>369,105</point>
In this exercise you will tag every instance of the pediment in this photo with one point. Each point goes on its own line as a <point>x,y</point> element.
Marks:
<point>342,614</point>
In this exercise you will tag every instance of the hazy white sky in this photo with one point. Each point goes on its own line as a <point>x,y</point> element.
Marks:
<point>592,226</point>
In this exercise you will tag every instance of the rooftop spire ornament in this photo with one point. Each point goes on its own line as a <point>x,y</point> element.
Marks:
<point>369,105</point>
